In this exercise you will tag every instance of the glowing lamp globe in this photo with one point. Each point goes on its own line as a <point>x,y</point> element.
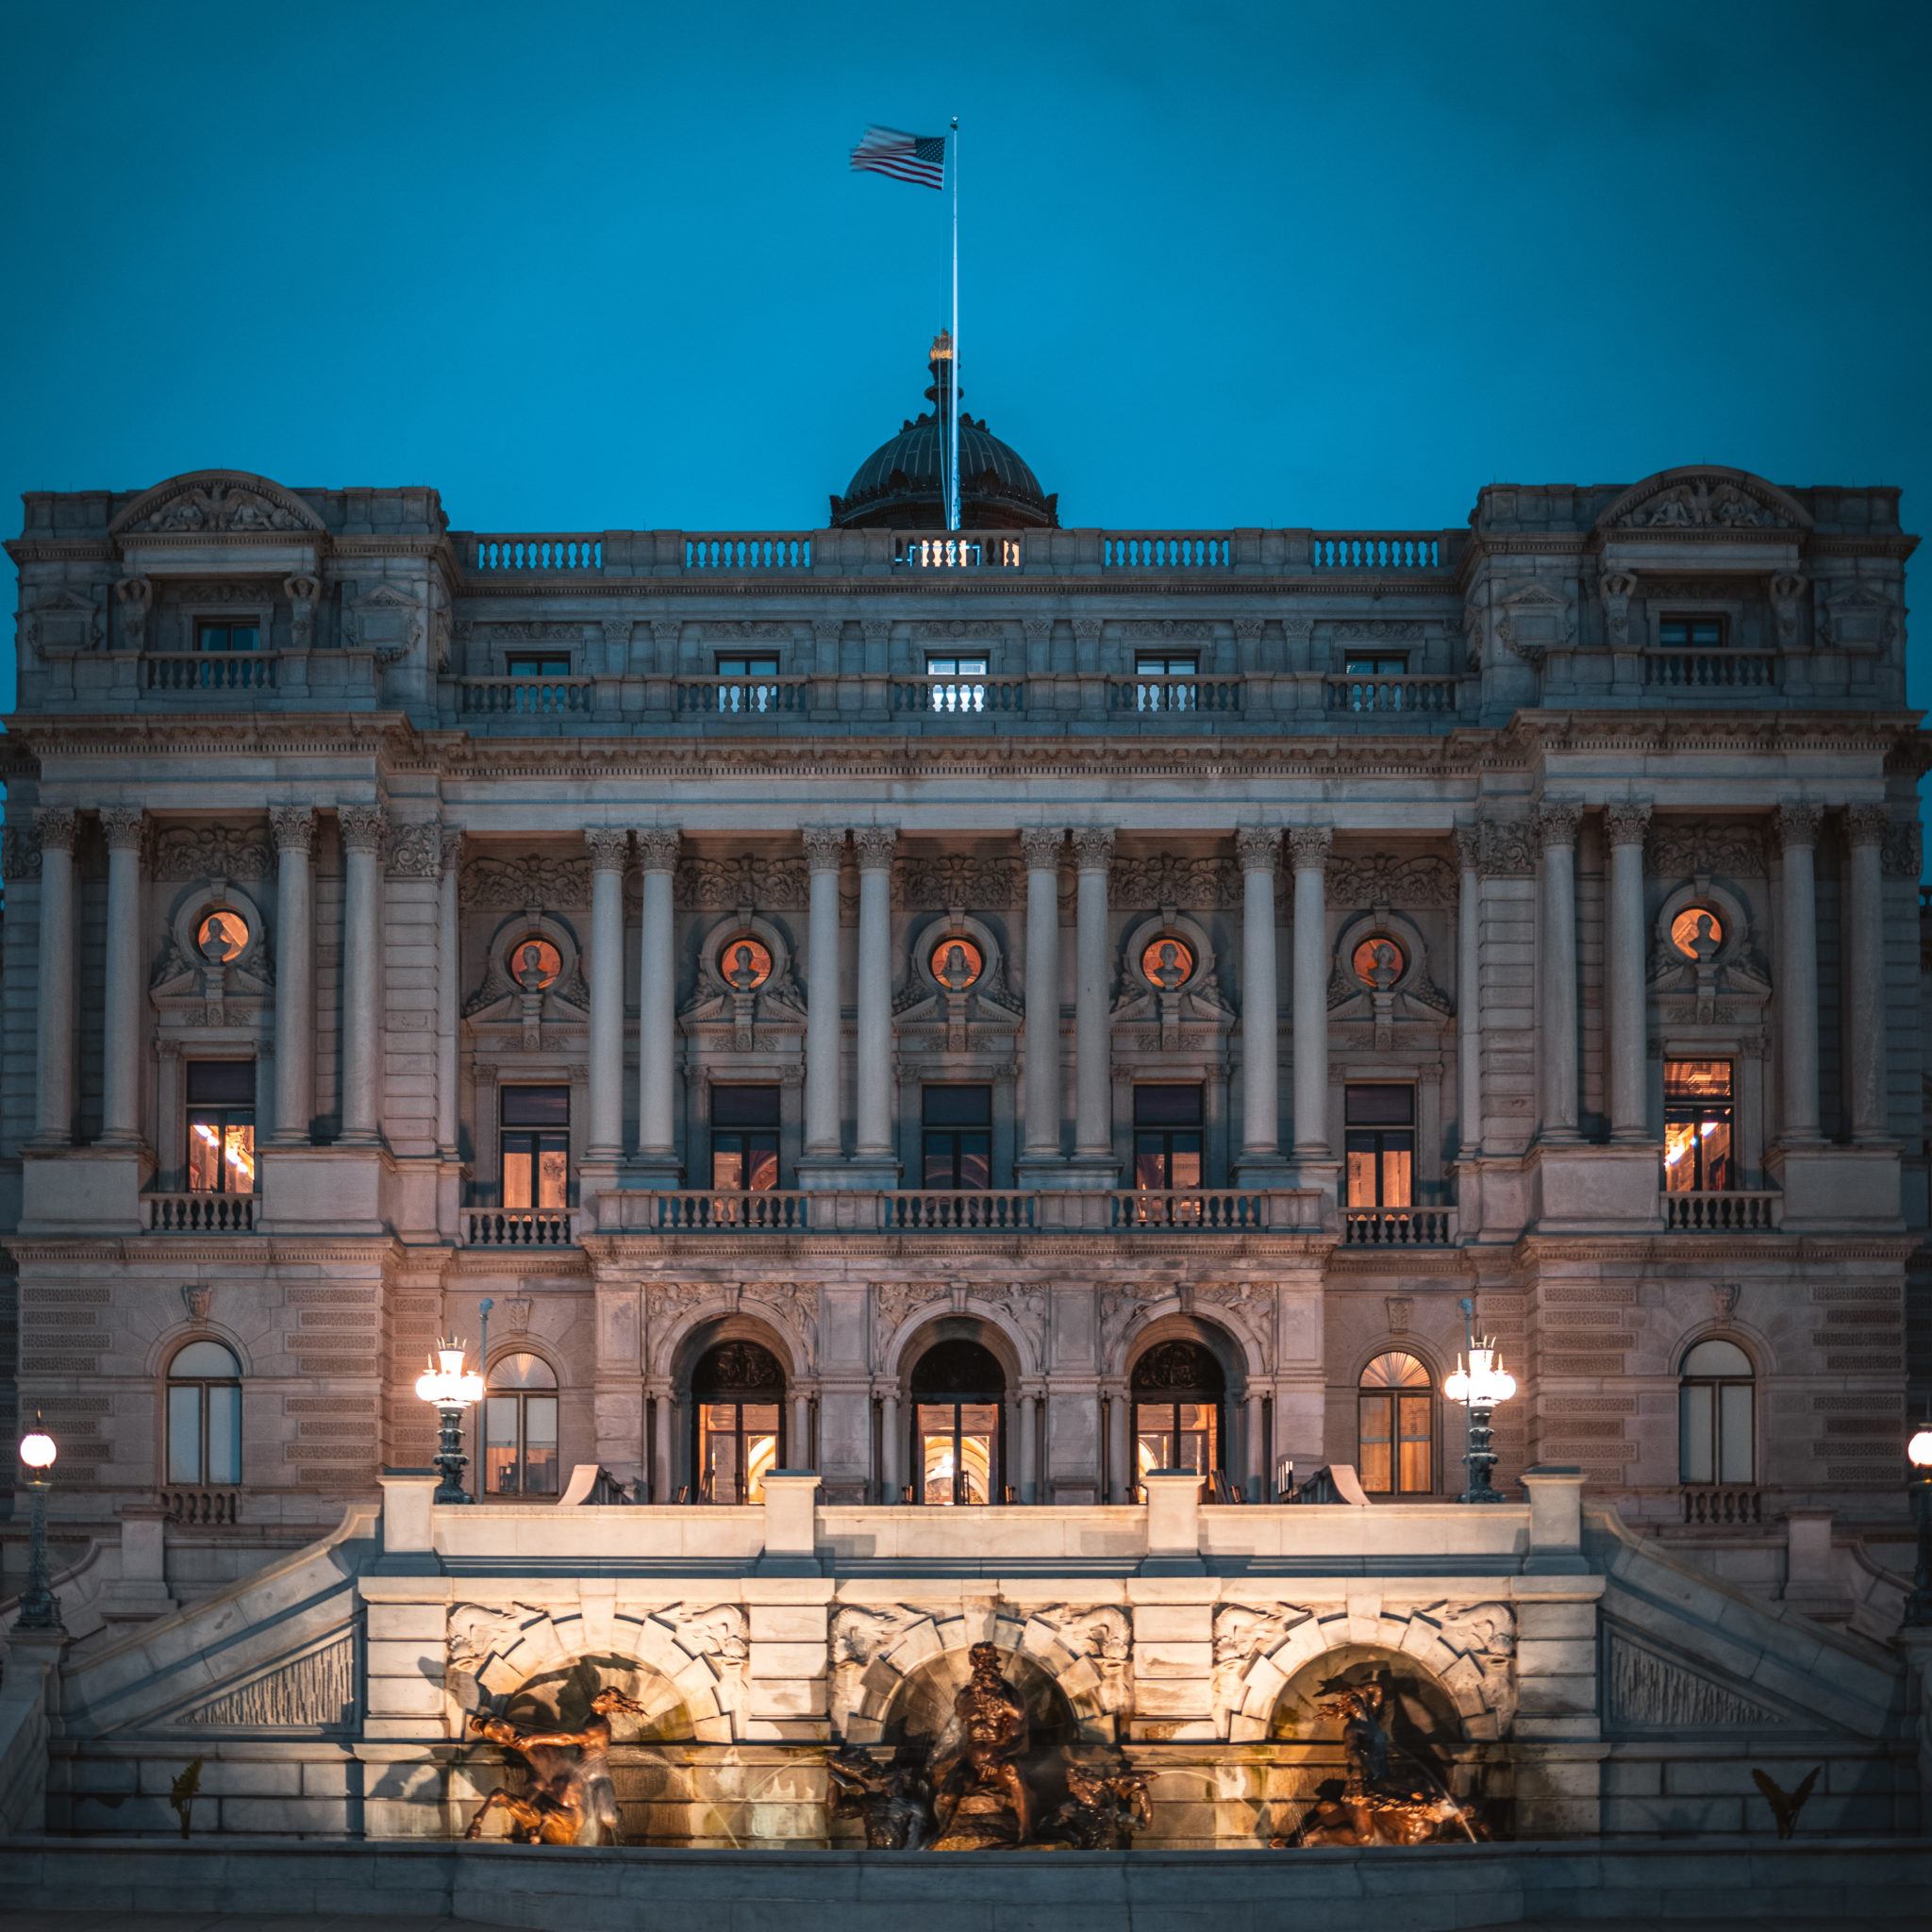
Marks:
<point>1483,1383</point>
<point>1920,1449</point>
<point>445,1381</point>
<point>36,1449</point>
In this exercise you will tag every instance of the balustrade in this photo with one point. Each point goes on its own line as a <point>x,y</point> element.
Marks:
<point>956,553</point>
<point>1380,550</point>
<point>991,1209</point>
<point>198,1213</point>
<point>198,1508</point>
<point>1712,1507</point>
<point>1154,550</point>
<point>960,697</point>
<point>1730,1212</point>
<point>1213,1210</point>
<point>760,696</point>
<point>520,1227</point>
<point>1709,671</point>
<point>211,670</point>
<point>1219,695</point>
<point>1433,697</point>
<point>776,550</point>
<point>527,698</point>
<point>1398,1227</point>
<point>579,552</point>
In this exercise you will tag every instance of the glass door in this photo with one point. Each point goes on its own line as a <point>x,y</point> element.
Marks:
<point>958,1449</point>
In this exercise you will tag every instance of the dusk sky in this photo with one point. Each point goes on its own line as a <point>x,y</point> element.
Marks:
<point>600,266</point>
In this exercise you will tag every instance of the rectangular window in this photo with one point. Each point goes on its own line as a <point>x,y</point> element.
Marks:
<point>1379,1142</point>
<point>955,667</point>
<point>220,1126</point>
<point>1145,666</point>
<point>539,665</point>
<point>1376,667</point>
<point>1167,1137</point>
<point>1690,633</point>
<point>744,1138</point>
<point>957,1150</point>
<point>1715,1434</point>
<point>228,637</point>
<point>536,1148</point>
<point>1153,692</point>
<point>741,666</point>
<point>1698,1122</point>
<point>1395,1443</point>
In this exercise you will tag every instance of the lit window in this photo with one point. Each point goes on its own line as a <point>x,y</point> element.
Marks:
<point>956,684</point>
<point>539,665</point>
<point>1178,1389</point>
<point>744,1138</point>
<point>519,1428</point>
<point>958,1151</point>
<point>205,1416</point>
<point>220,1126</point>
<point>957,963</point>
<point>744,963</point>
<point>1167,1137</point>
<point>228,637</point>
<point>1395,1427</point>
<point>1380,1141</point>
<point>536,1148</point>
<point>1690,633</point>
<point>957,667</point>
<point>1167,962</point>
<point>1374,667</point>
<point>1378,962</point>
<point>959,1389</point>
<point>1697,933</point>
<point>738,1392</point>
<point>1697,1127</point>
<point>1716,1431</point>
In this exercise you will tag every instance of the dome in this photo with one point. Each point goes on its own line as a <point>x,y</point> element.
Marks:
<point>902,484</point>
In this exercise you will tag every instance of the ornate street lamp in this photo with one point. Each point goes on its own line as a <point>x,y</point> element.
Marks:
<point>1919,1604</point>
<point>453,1389</point>
<point>1479,1383</point>
<point>40,1608</point>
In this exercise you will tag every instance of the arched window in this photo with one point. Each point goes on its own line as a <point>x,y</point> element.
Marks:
<point>1396,1427</point>
<point>738,1393</point>
<point>205,1416</point>
<point>520,1427</point>
<point>1717,1430</point>
<point>959,1401</point>
<point>1178,1389</point>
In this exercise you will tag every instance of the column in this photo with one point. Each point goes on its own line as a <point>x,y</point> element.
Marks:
<point>657,1010</point>
<point>125,827</point>
<point>663,1477</point>
<point>1624,825</point>
<point>610,853</point>
<point>888,1448</point>
<point>1120,1461</point>
<point>798,1450</point>
<point>1258,1452</point>
<point>1308,848</point>
<point>1796,826</point>
<point>1555,823</point>
<point>294,827</point>
<point>54,1043</point>
<point>1469,1013</point>
<point>824,852</point>
<point>1864,955</point>
<point>1041,845</point>
<point>449,989</point>
<point>1029,1448</point>
<point>875,1066</point>
<point>1092,984</point>
<point>364,830</point>
<point>1260,851</point>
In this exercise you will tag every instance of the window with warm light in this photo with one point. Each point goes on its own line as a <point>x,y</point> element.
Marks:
<point>958,1395</point>
<point>1395,1411</point>
<point>1716,1415</point>
<point>520,1427</point>
<point>738,1392</point>
<point>744,1138</point>
<point>220,1126</point>
<point>535,1124</point>
<point>1380,1143</point>
<point>1178,1389</point>
<point>205,1416</point>
<point>1167,1137</point>
<point>1698,1122</point>
<point>957,1147</point>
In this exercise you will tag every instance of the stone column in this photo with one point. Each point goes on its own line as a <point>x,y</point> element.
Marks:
<point>874,1143</point>
<point>824,853</point>
<point>798,1450</point>
<point>1042,846</point>
<point>663,1476</point>
<point>888,1448</point>
<point>1555,823</point>
<point>1469,1012</point>
<point>1260,1163</point>
<point>54,1041</point>
<point>364,830</point>
<point>293,827</point>
<point>1624,825</point>
<point>125,827</point>
<point>657,1010</point>
<point>1864,956</point>
<point>610,853</point>
<point>1308,851</point>
<point>1796,826</point>
<point>1256,1448</point>
<point>1120,1449</point>
<point>449,989</point>
<point>1029,1448</point>
<point>1092,1023</point>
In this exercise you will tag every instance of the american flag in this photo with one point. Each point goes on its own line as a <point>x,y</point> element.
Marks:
<point>917,157</point>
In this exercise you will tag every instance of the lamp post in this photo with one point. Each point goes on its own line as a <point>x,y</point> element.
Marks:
<point>453,1389</point>
<point>40,1608</point>
<point>1479,1383</point>
<point>1919,1604</point>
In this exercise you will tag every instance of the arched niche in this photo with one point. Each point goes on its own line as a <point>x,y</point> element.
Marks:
<point>921,1710</point>
<point>560,1698</point>
<point>737,1385</point>
<point>958,1390</point>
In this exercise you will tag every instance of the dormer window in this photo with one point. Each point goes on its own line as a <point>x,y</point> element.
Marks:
<point>228,637</point>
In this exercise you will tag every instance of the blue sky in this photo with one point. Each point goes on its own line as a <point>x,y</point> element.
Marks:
<point>599,266</point>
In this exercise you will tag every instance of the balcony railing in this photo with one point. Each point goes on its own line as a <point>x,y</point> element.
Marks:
<point>774,550</point>
<point>1717,1507</point>
<point>1154,550</point>
<point>1731,1212</point>
<point>198,1213</point>
<point>199,1509</point>
<point>1434,698</point>
<point>580,552</point>
<point>960,697</point>
<point>1221,695</point>
<point>1377,550</point>
<point>956,553</point>
<point>1217,1210</point>
<point>527,697</point>
<point>1398,1227</point>
<point>1709,671</point>
<point>1191,1210</point>
<point>520,1227</point>
<point>767,1211</point>
<point>990,1208</point>
<point>209,670</point>
<point>743,697</point>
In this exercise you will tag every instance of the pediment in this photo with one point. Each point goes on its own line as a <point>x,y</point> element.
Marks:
<point>221,502</point>
<point>1705,497</point>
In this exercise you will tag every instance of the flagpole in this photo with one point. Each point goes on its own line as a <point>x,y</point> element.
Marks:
<point>953,427</point>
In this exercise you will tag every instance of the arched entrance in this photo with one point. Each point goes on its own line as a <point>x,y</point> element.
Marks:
<point>738,1421</point>
<point>959,1424</point>
<point>1180,1392</point>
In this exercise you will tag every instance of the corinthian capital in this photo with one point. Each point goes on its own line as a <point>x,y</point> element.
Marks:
<point>452,847</point>
<point>875,844</point>
<point>1040,846</point>
<point>292,827</point>
<point>125,827</point>
<point>609,848</point>
<point>1469,847</point>
<point>363,826</point>
<point>825,847</point>
<point>1867,825</point>
<point>1308,846</point>
<point>1258,846</point>
<point>1555,822</point>
<point>1796,822</point>
<point>657,848</point>
<point>1626,821</point>
<point>1092,847</point>
<point>55,823</point>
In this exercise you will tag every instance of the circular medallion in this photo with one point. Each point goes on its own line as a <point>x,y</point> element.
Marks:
<point>1697,933</point>
<point>1167,962</point>
<point>744,963</point>
<point>1378,962</point>
<point>534,962</point>
<point>957,962</point>
<point>221,937</point>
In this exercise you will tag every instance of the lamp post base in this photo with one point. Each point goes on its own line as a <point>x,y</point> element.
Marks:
<point>40,1608</point>
<point>1480,1460</point>
<point>450,1459</point>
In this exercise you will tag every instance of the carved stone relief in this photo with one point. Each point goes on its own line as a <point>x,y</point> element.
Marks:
<point>316,1690</point>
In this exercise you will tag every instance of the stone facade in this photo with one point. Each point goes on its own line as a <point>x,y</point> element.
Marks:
<point>650,822</point>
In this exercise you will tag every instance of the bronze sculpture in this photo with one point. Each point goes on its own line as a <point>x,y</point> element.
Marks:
<point>983,1779</point>
<point>1103,1809</point>
<point>895,1800</point>
<point>569,1801</point>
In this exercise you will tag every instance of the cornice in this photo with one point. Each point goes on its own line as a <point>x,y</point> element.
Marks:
<point>54,550</point>
<point>336,733</point>
<point>253,1250</point>
<point>994,584</point>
